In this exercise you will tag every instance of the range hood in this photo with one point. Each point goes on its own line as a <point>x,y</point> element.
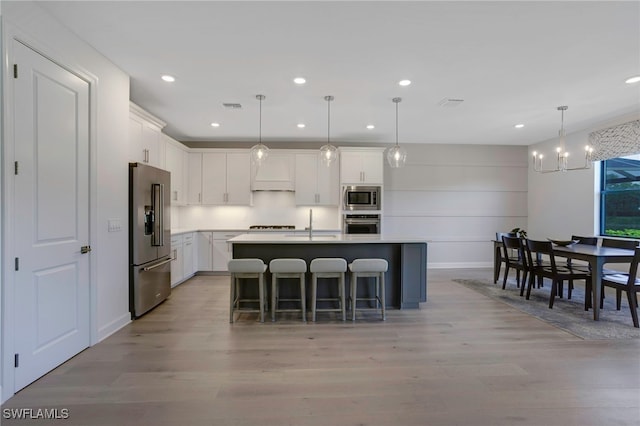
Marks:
<point>274,174</point>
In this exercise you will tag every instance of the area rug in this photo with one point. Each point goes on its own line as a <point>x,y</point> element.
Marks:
<point>568,315</point>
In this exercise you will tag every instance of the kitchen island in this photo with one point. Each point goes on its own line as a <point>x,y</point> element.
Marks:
<point>406,279</point>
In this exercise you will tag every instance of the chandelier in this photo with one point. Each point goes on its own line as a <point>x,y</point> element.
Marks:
<point>562,156</point>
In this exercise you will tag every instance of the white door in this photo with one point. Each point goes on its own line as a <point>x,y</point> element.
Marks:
<point>52,321</point>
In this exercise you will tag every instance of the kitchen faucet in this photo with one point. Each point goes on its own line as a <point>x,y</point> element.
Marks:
<point>310,223</point>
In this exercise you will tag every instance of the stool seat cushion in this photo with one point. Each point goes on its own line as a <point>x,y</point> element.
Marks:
<point>328,264</point>
<point>288,265</point>
<point>246,265</point>
<point>369,265</point>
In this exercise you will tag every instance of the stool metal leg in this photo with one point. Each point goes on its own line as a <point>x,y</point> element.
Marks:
<point>342,301</point>
<point>274,299</point>
<point>232,296</point>
<point>261,295</point>
<point>382,296</point>
<point>314,295</point>
<point>303,298</point>
<point>354,290</point>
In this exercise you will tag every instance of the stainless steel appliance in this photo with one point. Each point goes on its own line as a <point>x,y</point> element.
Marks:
<point>149,237</point>
<point>269,227</point>
<point>361,224</point>
<point>361,198</point>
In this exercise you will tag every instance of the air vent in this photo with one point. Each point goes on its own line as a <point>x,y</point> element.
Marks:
<point>230,105</point>
<point>450,102</point>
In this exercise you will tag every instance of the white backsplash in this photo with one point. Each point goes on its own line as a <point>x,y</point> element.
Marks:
<point>269,208</point>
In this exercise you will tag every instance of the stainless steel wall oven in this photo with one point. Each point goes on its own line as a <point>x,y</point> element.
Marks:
<point>361,224</point>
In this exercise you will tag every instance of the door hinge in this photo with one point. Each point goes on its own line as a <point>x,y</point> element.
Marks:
<point>15,167</point>
<point>16,360</point>
<point>15,70</point>
<point>17,263</point>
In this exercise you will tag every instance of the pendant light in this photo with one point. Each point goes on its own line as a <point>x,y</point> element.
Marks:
<point>396,155</point>
<point>328,152</point>
<point>259,152</point>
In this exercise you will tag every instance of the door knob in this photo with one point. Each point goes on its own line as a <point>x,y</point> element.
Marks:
<point>85,249</point>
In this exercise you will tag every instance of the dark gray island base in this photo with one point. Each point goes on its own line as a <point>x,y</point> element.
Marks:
<point>406,279</point>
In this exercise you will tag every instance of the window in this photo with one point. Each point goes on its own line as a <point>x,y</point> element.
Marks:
<point>620,197</point>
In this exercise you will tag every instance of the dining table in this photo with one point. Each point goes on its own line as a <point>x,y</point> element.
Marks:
<point>597,257</point>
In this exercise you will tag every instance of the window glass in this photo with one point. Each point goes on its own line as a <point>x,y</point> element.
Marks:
<point>620,197</point>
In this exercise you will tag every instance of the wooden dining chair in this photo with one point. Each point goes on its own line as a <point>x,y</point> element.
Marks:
<point>500,254</point>
<point>556,273</point>
<point>626,282</point>
<point>589,241</point>
<point>515,258</point>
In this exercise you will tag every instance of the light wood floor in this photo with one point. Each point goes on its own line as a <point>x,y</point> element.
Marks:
<point>460,360</point>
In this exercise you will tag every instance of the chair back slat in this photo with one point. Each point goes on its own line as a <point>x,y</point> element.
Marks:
<point>622,244</point>
<point>633,268</point>
<point>588,241</point>
<point>539,248</point>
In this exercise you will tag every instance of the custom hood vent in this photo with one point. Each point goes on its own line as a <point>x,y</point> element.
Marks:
<point>274,174</point>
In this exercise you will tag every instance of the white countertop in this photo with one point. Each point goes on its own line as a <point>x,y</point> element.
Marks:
<point>321,239</point>
<point>178,231</point>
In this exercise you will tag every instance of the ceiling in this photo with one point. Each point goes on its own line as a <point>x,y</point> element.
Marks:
<point>511,62</point>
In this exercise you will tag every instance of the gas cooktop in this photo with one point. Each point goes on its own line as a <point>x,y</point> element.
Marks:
<point>272,227</point>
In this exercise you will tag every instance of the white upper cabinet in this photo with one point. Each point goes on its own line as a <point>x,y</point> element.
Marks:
<point>315,183</point>
<point>361,166</point>
<point>219,178</point>
<point>176,159</point>
<point>146,142</point>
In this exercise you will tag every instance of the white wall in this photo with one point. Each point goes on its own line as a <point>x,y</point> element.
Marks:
<point>566,203</point>
<point>269,208</point>
<point>457,197</point>
<point>109,159</point>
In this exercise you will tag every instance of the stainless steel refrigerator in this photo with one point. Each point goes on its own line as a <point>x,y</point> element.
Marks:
<point>149,237</point>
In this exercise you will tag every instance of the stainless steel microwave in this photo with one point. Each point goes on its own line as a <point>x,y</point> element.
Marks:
<point>362,198</point>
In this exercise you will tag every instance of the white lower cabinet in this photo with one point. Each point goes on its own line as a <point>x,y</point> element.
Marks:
<point>182,252</point>
<point>205,250</point>
<point>188,254</point>
<point>177,268</point>
<point>222,252</point>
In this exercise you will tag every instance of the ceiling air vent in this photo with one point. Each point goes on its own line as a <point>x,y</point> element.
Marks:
<point>230,105</point>
<point>450,102</point>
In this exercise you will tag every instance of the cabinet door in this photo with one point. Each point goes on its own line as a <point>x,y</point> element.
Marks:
<point>328,184</point>
<point>238,179</point>
<point>222,252</point>
<point>214,178</point>
<point>194,182</point>
<point>177,265</point>
<point>187,257</point>
<point>350,167</point>
<point>137,151</point>
<point>372,167</point>
<point>306,181</point>
<point>174,164</point>
<point>151,141</point>
<point>205,260</point>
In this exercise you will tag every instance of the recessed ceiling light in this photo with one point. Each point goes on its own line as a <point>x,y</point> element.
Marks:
<point>168,78</point>
<point>519,126</point>
<point>404,82</point>
<point>299,80</point>
<point>215,124</point>
<point>370,126</point>
<point>633,79</point>
<point>301,125</point>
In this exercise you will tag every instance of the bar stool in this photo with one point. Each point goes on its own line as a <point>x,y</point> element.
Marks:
<point>287,268</point>
<point>247,268</point>
<point>328,267</point>
<point>361,268</point>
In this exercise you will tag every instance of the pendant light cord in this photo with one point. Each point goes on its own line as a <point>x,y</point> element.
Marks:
<point>260,123</point>
<point>396,123</point>
<point>328,121</point>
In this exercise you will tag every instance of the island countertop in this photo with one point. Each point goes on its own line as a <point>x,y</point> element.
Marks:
<point>322,239</point>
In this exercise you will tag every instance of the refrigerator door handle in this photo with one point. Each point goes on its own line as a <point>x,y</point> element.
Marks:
<point>157,265</point>
<point>158,205</point>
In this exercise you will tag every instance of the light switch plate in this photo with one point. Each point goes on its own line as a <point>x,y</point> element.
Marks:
<point>114,225</point>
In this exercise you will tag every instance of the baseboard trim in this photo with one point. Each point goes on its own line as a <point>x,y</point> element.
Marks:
<point>459,265</point>
<point>113,326</point>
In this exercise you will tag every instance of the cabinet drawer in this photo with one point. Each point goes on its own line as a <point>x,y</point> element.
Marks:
<point>187,237</point>
<point>176,240</point>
